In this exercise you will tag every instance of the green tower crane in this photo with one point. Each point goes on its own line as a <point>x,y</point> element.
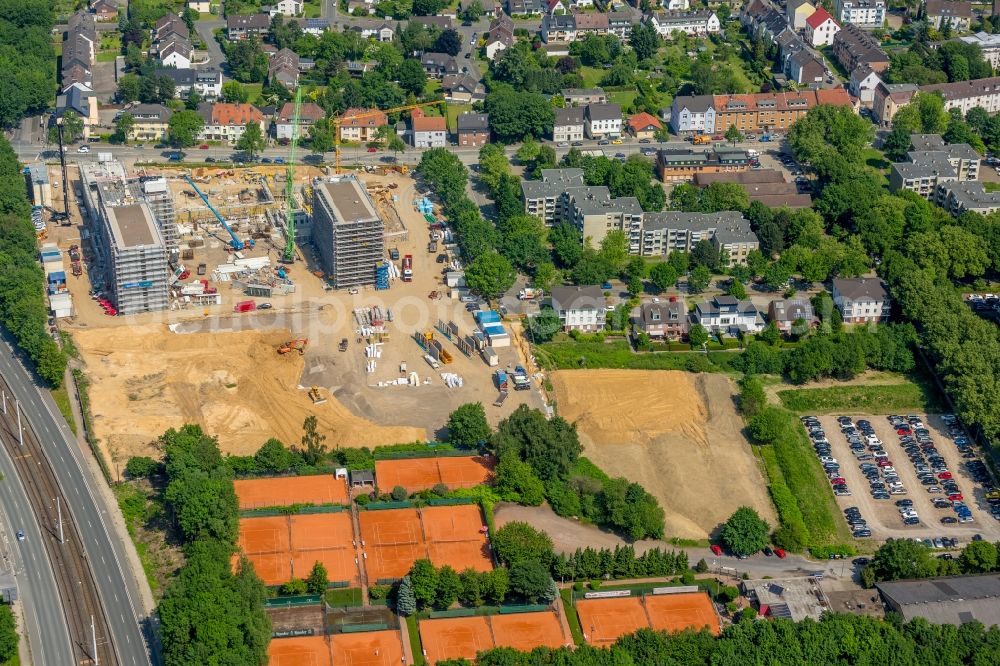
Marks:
<point>289,255</point>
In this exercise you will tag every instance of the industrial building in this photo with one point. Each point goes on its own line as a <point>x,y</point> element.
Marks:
<point>950,600</point>
<point>347,231</point>
<point>131,256</point>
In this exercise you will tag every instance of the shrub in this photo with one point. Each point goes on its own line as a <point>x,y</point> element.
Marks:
<point>399,493</point>
<point>141,467</point>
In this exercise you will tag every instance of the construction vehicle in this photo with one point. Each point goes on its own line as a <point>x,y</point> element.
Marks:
<point>528,294</point>
<point>316,397</point>
<point>245,306</point>
<point>293,345</point>
<point>336,122</point>
<point>500,399</point>
<point>501,379</point>
<point>235,243</point>
<point>407,271</point>
<point>700,139</point>
<point>521,382</point>
<point>289,255</point>
<point>343,344</point>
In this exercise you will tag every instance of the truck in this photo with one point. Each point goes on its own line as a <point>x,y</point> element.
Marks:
<point>394,254</point>
<point>201,269</point>
<point>521,382</point>
<point>245,306</point>
<point>408,268</point>
<point>528,294</point>
<point>500,377</point>
<point>432,247</point>
<point>700,139</point>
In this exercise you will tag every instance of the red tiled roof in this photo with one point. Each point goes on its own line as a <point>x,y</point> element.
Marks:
<point>235,114</point>
<point>818,18</point>
<point>641,121</point>
<point>363,118</point>
<point>422,123</point>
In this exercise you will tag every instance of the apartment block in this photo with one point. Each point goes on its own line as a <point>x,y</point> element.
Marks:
<point>685,164</point>
<point>347,231</point>
<point>546,198</point>
<point>758,112</point>
<point>965,95</point>
<point>865,13</point>
<point>861,300</point>
<point>932,163</point>
<point>594,212</point>
<point>674,231</point>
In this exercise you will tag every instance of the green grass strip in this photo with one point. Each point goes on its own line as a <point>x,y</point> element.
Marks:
<point>575,630</point>
<point>415,647</point>
<point>873,399</point>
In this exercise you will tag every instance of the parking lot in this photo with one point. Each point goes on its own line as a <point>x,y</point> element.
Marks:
<point>883,516</point>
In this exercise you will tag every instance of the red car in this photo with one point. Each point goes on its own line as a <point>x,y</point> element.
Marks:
<point>885,463</point>
<point>944,475</point>
<point>780,552</point>
<point>956,497</point>
<point>373,150</point>
<point>718,137</point>
<point>184,276</point>
<point>203,146</point>
<point>717,549</point>
<point>838,481</point>
<point>904,431</point>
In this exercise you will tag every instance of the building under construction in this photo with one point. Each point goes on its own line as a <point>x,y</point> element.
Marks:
<point>347,231</point>
<point>130,251</point>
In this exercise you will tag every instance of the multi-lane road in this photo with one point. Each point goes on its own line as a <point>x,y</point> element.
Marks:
<point>117,586</point>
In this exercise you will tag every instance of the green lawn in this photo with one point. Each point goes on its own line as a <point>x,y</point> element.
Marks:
<point>592,76</point>
<point>991,187</point>
<point>414,634</point>
<point>107,56</point>
<point>623,98</point>
<point>617,354</point>
<point>61,396</point>
<point>345,596</point>
<point>254,91</point>
<point>137,510</point>
<point>454,111</point>
<point>574,622</point>
<point>432,86</point>
<point>877,399</point>
<point>311,9</point>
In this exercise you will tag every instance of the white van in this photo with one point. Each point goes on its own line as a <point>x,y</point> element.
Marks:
<point>752,153</point>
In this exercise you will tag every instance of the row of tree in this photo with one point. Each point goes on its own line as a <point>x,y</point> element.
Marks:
<point>27,74</point>
<point>23,306</point>
<point>210,614</point>
<point>621,562</point>
<point>899,559</point>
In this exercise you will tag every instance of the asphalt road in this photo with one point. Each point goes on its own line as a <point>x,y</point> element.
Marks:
<point>44,623</point>
<point>115,582</point>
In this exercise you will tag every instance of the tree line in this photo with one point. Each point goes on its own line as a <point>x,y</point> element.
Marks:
<point>24,309</point>
<point>620,562</point>
<point>900,559</point>
<point>210,614</point>
<point>27,72</point>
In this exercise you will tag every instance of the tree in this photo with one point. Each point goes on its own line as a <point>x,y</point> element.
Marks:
<point>9,637</point>
<point>515,481</point>
<point>72,125</point>
<point>544,325</point>
<point>634,285</point>
<point>699,279</point>
<point>529,580</point>
<point>128,88</point>
<point>124,124</point>
<point>424,578</point>
<point>141,467</point>
<point>234,93</point>
<point>399,493</point>
<point>490,274</point>
<point>644,40</point>
<point>520,542</point>
<point>472,591</point>
<point>545,276</point>
<point>745,533</point>
<point>449,41</point>
<point>736,289</point>
<point>467,425</point>
<point>900,559</point>
<point>705,254</point>
<point>768,425</point>
<point>567,246</point>
<point>550,446</point>
<point>495,585</point>
<point>252,140</point>
<point>411,76</point>
<point>978,557</point>
<point>663,276</point>
<point>697,335</point>
<point>733,134</point>
<point>614,250</point>
<point>313,449</point>
<point>515,114</point>
<point>472,12</point>
<point>185,126</point>
<point>321,136</point>
<point>274,457</point>
<point>752,395</point>
<point>406,600</point>
<point>318,580</point>
<point>449,585</point>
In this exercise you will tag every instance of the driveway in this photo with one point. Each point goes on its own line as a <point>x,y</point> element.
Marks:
<point>205,28</point>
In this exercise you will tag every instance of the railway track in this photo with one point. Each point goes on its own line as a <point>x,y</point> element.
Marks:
<point>81,604</point>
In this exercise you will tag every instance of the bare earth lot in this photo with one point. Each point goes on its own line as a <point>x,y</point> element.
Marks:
<point>676,434</point>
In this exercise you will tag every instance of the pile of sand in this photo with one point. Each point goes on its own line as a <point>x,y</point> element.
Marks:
<point>675,433</point>
<point>145,379</point>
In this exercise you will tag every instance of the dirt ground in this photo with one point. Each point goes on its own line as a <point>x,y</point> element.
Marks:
<point>675,433</point>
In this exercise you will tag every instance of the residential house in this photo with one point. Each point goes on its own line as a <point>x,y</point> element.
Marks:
<point>988,43</point>
<point>865,13</point>
<point>525,7</point>
<point>701,23</point>
<point>226,122</point>
<point>79,51</point>
<point>428,131</point>
<point>620,25</point>
<point>965,95</point>
<point>315,26</point>
<point>501,36</point>
<point>435,22</point>
<point>603,121</point>
<point>791,315</point>
<point>852,46</point>
<point>243,27</point>
<point>284,68</point>
<point>151,122</point>
<point>568,125</point>
<point>579,308</point>
<point>959,197</point>
<point>105,11</point>
<point>284,121</point>
<point>713,114</point>
<point>753,11</point>
<point>555,7</point>
<point>939,13</point>
<point>797,11</point>
<point>546,199</point>
<point>170,25</point>
<point>665,320</point>
<point>473,129</point>
<point>437,65</point>
<point>861,300</point>
<point>669,5</point>
<point>726,315</point>
<point>862,85</point>
<point>679,165</point>
<point>558,28</point>
<point>463,88</point>
<point>358,68</point>
<point>673,231</point>
<point>821,28</point>
<point>889,98</point>
<point>805,67</point>
<point>83,102</point>
<point>284,8</point>
<point>489,7</point>
<point>767,186</point>
<point>176,52</point>
<point>359,8</point>
<point>207,82</point>
<point>584,96</point>
<point>768,26</point>
<point>591,24</point>
<point>643,125</point>
<point>361,125</point>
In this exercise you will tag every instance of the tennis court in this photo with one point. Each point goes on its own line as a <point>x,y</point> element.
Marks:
<point>455,638</point>
<point>264,535</point>
<point>456,536</point>
<point>286,547</point>
<point>415,474</point>
<point>299,651</point>
<point>390,527</point>
<point>526,631</point>
<point>676,612</point>
<point>322,530</point>
<point>369,648</point>
<point>460,555</point>
<point>288,490</point>
<point>604,620</point>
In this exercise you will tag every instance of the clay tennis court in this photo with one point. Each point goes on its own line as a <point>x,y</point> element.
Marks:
<point>288,490</point>
<point>456,536</point>
<point>369,648</point>
<point>455,638</point>
<point>415,474</point>
<point>676,612</point>
<point>526,631</point>
<point>604,620</point>
<point>286,547</point>
<point>393,542</point>
<point>299,651</point>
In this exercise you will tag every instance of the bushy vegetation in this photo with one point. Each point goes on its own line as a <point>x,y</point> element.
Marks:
<point>23,306</point>
<point>906,559</point>
<point>620,562</point>
<point>27,71</point>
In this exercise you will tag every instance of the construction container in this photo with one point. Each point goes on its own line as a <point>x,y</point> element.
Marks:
<point>245,306</point>
<point>260,290</point>
<point>381,276</point>
<point>486,317</point>
<point>480,340</point>
<point>56,282</point>
<point>491,357</point>
<point>53,267</point>
<point>454,279</point>
<point>497,335</point>
<point>61,305</point>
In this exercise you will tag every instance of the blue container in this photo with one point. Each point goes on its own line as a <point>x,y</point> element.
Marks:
<point>488,317</point>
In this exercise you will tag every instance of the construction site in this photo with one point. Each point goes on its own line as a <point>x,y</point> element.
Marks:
<point>254,333</point>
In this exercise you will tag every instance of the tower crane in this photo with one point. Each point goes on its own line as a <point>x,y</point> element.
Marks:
<point>289,255</point>
<point>368,114</point>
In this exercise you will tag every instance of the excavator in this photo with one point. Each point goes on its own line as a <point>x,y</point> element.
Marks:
<point>293,345</point>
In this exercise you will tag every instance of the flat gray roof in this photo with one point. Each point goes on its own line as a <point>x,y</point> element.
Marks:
<point>951,600</point>
<point>133,225</point>
<point>349,201</point>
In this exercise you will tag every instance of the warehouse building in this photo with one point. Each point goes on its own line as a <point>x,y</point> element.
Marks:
<point>347,231</point>
<point>949,600</point>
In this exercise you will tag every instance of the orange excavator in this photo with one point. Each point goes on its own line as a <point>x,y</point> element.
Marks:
<point>293,345</point>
